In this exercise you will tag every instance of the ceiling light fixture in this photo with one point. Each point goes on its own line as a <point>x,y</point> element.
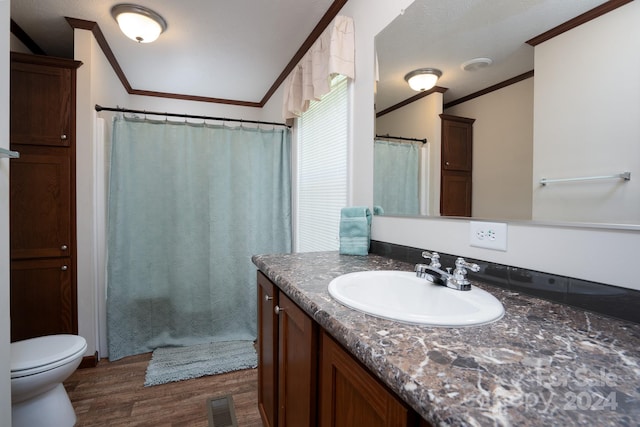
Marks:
<point>138,23</point>
<point>423,78</point>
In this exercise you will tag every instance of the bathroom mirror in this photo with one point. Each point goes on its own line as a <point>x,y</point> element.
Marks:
<point>446,36</point>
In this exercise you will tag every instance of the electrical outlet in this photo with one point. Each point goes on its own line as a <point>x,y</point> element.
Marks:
<point>490,235</point>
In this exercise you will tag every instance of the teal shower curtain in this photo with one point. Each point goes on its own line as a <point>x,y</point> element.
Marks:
<point>395,177</point>
<point>188,207</point>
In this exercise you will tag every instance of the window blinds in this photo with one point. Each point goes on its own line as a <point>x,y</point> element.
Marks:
<point>322,170</point>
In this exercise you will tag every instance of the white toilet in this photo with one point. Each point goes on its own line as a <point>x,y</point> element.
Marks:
<point>38,368</point>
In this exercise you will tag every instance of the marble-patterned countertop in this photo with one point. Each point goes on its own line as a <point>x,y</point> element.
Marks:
<point>542,364</point>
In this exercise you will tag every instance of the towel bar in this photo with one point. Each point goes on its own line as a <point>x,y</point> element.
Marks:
<point>624,175</point>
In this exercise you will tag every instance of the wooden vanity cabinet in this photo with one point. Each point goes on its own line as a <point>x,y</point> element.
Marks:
<point>287,360</point>
<point>305,378</point>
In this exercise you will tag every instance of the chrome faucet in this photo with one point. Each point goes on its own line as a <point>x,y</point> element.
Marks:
<point>456,280</point>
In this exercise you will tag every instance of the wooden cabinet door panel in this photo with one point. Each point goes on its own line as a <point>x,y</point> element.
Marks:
<point>267,351</point>
<point>40,104</point>
<point>457,141</point>
<point>456,194</point>
<point>297,366</point>
<point>350,396</point>
<point>40,203</point>
<point>43,301</point>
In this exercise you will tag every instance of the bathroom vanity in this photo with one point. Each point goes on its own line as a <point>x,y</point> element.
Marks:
<point>305,375</point>
<point>543,363</point>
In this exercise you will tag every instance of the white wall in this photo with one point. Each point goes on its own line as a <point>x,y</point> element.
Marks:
<point>5,336</point>
<point>95,84</point>
<point>602,255</point>
<point>587,111</point>
<point>502,151</point>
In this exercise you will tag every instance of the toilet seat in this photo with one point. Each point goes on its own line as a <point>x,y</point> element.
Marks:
<point>41,354</point>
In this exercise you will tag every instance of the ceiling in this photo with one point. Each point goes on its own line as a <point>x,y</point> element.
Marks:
<point>233,49</point>
<point>444,34</point>
<point>237,49</point>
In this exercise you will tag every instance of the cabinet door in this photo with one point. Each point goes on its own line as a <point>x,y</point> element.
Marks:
<point>297,366</point>
<point>457,140</point>
<point>350,396</point>
<point>455,198</point>
<point>43,301</point>
<point>267,351</point>
<point>40,104</point>
<point>40,203</point>
<point>456,166</point>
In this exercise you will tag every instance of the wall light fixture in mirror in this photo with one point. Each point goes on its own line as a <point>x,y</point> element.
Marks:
<point>541,109</point>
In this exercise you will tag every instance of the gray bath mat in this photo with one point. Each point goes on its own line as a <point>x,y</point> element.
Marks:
<point>170,364</point>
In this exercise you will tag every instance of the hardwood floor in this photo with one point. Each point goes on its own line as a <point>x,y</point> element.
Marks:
<point>113,394</point>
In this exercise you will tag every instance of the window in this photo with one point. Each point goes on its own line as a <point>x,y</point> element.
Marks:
<point>321,182</point>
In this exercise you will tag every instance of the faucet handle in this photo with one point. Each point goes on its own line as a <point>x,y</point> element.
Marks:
<point>462,264</point>
<point>459,278</point>
<point>434,257</point>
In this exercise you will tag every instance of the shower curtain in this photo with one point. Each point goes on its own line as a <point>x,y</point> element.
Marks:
<point>188,207</point>
<point>395,177</point>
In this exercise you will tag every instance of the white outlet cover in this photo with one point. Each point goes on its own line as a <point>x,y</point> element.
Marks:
<point>489,235</point>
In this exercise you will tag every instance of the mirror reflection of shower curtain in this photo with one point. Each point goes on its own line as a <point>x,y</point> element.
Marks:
<point>396,177</point>
<point>188,207</point>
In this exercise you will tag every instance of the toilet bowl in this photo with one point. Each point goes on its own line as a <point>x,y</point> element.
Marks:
<point>38,368</point>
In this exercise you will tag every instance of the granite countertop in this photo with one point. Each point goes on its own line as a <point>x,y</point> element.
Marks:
<point>543,363</point>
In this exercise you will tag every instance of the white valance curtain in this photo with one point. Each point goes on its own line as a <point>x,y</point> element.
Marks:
<point>332,53</point>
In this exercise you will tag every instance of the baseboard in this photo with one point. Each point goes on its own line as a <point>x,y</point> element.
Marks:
<point>89,361</point>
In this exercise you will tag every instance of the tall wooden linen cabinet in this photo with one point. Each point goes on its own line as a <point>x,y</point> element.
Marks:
<point>456,166</point>
<point>42,196</point>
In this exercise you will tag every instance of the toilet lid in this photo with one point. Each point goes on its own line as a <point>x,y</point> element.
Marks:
<point>41,351</point>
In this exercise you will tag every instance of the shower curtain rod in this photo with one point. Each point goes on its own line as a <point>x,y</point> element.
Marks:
<point>187,116</point>
<point>402,138</point>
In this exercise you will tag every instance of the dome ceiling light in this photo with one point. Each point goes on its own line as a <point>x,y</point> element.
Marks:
<point>138,22</point>
<point>423,78</point>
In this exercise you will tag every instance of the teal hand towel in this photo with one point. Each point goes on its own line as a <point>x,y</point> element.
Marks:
<point>355,230</point>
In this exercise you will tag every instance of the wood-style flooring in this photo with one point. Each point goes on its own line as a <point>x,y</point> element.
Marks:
<point>113,394</point>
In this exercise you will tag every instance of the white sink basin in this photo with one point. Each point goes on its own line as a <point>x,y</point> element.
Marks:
<point>401,296</point>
